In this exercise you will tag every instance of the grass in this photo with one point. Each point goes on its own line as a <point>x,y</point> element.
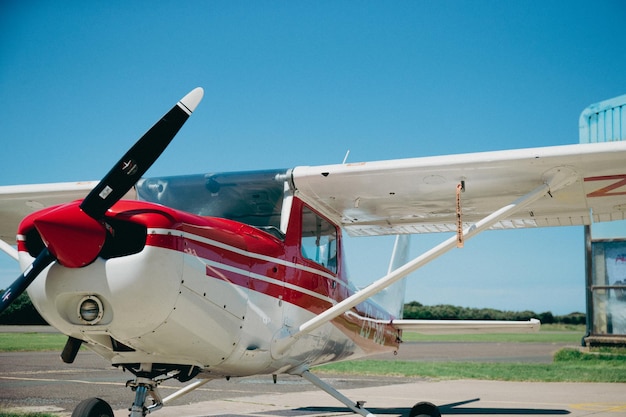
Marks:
<point>570,365</point>
<point>31,342</point>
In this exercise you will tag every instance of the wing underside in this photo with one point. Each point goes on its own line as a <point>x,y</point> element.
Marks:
<point>467,326</point>
<point>419,195</point>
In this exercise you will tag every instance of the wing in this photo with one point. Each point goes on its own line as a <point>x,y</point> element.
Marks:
<point>467,326</point>
<point>17,201</point>
<point>419,195</point>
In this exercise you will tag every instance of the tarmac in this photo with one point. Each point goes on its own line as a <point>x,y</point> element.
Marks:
<point>462,397</point>
<point>39,381</point>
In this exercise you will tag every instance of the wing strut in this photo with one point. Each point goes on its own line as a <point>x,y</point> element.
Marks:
<point>313,379</point>
<point>560,178</point>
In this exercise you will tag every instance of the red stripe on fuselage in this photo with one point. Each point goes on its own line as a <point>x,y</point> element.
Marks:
<point>246,271</point>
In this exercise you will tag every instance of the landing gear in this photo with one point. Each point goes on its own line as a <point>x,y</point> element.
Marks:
<point>142,388</point>
<point>93,407</point>
<point>148,376</point>
<point>424,409</point>
<point>145,385</point>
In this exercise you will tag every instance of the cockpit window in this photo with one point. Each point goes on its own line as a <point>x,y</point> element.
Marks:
<point>319,240</point>
<point>254,197</point>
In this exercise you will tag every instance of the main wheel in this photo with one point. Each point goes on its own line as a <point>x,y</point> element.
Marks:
<point>423,409</point>
<point>93,407</point>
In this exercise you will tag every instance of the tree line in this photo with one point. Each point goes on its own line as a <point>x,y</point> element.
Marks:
<point>416,310</point>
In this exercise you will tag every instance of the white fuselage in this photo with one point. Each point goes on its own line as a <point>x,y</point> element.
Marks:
<point>177,306</point>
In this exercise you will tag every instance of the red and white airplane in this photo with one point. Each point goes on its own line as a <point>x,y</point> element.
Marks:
<point>233,274</point>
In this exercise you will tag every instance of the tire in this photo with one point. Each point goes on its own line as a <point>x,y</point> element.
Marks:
<point>93,407</point>
<point>423,409</point>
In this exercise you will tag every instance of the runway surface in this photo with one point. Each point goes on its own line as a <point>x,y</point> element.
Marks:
<point>39,381</point>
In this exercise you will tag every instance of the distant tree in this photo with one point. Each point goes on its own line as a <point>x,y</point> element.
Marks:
<point>546,317</point>
<point>21,311</point>
<point>573,318</point>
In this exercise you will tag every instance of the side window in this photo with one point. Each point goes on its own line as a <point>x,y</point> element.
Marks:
<point>319,240</point>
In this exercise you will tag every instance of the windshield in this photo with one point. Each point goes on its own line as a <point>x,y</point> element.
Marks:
<point>253,197</point>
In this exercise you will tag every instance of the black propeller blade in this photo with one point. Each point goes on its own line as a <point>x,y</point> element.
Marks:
<point>123,176</point>
<point>18,286</point>
<point>120,179</point>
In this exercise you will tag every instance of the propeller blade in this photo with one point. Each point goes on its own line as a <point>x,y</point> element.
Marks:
<point>123,176</point>
<point>18,286</point>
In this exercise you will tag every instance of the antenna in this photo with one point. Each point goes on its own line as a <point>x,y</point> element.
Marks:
<point>345,158</point>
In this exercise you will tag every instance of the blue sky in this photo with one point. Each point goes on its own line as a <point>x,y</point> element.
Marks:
<point>300,83</point>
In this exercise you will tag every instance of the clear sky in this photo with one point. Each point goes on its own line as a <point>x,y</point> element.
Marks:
<point>300,83</point>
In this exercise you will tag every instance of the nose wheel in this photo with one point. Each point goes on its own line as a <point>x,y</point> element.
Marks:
<point>93,407</point>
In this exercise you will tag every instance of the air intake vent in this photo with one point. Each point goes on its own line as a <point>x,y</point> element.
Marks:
<point>123,238</point>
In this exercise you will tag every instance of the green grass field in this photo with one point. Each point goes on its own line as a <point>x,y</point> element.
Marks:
<point>31,342</point>
<point>569,365</point>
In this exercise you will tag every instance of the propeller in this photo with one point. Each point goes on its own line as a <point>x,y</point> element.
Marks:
<point>74,235</point>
